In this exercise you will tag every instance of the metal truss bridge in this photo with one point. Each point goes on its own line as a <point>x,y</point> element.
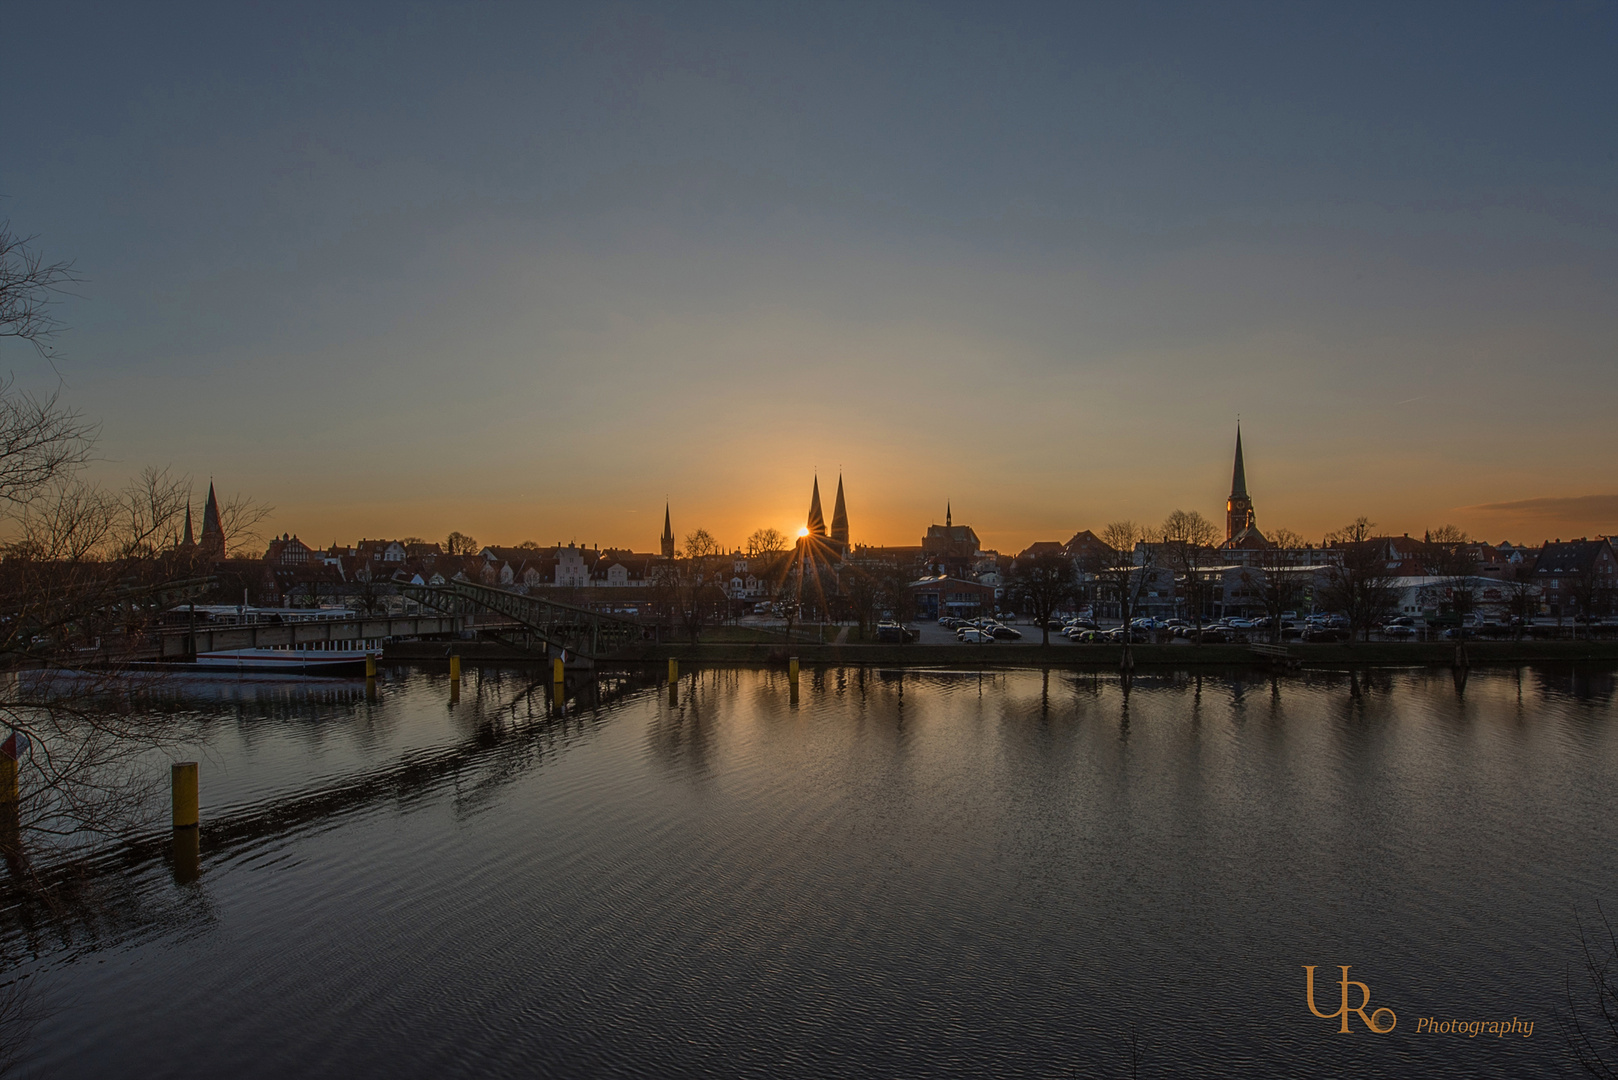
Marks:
<point>583,633</point>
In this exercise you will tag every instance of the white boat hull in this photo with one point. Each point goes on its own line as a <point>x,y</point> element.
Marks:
<point>295,661</point>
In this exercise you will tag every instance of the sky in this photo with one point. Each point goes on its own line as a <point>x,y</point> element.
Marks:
<point>529,271</point>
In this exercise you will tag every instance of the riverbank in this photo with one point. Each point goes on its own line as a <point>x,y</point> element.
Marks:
<point>1103,657</point>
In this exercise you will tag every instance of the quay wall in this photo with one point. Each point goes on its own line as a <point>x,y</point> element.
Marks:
<point>1090,657</point>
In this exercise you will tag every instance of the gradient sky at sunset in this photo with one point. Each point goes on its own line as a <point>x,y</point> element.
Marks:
<point>526,271</point>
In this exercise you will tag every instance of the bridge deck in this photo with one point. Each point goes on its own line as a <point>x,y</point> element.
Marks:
<point>177,643</point>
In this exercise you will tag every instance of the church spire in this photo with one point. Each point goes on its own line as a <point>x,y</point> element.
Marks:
<point>1238,479</point>
<point>817,520</point>
<point>668,534</point>
<point>946,514</point>
<point>213,537</point>
<point>188,541</point>
<point>839,516</point>
<point>1239,507</point>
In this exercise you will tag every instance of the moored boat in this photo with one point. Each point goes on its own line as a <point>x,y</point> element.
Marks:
<point>295,661</point>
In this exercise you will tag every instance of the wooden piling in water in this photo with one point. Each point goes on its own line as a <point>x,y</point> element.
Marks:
<point>455,667</point>
<point>184,779</point>
<point>558,675</point>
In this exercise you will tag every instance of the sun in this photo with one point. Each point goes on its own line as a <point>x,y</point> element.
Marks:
<point>803,530</point>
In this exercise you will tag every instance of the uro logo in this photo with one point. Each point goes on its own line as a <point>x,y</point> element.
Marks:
<point>1345,1009</point>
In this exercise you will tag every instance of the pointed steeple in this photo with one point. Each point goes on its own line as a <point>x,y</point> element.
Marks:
<point>946,514</point>
<point>1239,518</point>
<point>188,541</point>
<point>839,516</point>
<point>1238,479</point>
<point>213,536</point>
<point>817,520</point>
<point>668,534</point>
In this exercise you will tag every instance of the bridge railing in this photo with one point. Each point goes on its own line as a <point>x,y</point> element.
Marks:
<point>561,626</point>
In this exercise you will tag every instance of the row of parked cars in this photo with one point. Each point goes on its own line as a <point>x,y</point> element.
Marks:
<point>979,631</point>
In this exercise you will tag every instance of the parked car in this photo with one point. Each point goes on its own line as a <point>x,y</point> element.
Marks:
<point>1398,631</point>
<point>1211,636</point>
<point>1082,624</point>
<point>971,635</point>
<point>1320,633</point>
<point>1005,632</point>
<point>893,632</point>
<point>1089,637</point>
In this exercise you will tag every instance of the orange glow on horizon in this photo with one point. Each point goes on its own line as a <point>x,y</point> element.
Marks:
<point>803,530</point>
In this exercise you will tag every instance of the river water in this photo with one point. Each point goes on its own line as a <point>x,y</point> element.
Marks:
<point>929,874</point>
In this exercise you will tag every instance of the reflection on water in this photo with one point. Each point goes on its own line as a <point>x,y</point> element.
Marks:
<point>883,872</point>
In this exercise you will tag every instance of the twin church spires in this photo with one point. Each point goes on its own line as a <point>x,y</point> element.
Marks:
<point>838,537</point>
<point>212,543</point>
<point>839,516</point>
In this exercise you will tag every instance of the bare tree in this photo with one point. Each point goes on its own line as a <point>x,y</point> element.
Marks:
<point>28,288</point>
<point>458,543</point>
<point>1124,579</point>
<point>1360,584</point>
<point>1188,540</point>
<point>1523,599</point>
<point>701,544</point>
<point>765,543</point>
<point>1279,585</point>
<point>1122,536</point>
<point>239,519</point>
<point>1451,555</point>
<point>1590,1021</point>
<point>41,441</point>
<point>1041,584</point>
<point>688,588</point>
<point>1590,596</point>
<point>862,596</point>
<point>1286,539</point>
<point>84,572</point>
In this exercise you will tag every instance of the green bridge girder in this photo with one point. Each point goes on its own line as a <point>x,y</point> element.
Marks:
<point>585,633</point>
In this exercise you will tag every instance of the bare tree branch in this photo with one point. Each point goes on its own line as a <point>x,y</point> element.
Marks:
<point>28,289</point>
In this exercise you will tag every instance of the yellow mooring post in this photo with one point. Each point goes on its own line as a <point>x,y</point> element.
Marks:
<point>185,795</point>
<point>792,671</point>
<point>558,675</point>
<point>8,780</point>
<point>370,666</point>
<point>455,667</point>
<point>674,670</point>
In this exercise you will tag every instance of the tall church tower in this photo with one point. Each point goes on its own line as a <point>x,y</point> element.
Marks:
<point>817,520</point>
<point>1239,508</point>
<point>668,534</point>
<point>212,542</point>
<point>839,517</point>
